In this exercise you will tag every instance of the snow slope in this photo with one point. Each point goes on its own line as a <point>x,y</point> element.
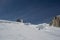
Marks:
<point>25,31</point>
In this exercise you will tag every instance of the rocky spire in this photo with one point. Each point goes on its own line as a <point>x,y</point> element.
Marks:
<point>55,21</point>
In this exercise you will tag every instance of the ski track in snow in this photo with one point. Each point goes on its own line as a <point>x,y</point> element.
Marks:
<point>20,31</point>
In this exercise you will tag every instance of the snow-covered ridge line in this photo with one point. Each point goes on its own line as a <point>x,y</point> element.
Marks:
<point>10,30</point>
<point>38,26</point>
<point>6,21</point>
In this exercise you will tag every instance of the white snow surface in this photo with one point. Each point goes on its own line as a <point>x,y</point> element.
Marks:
<point>25,31</point>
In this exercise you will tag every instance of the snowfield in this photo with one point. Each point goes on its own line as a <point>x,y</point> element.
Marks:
<point>25,31</point>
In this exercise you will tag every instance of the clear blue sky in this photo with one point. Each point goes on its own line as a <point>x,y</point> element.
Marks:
<point>34,11</point>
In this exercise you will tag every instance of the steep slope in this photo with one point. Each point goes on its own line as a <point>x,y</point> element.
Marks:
<point>21,31</point>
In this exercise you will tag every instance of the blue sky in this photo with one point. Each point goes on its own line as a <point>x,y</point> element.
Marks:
<point>34,11</point>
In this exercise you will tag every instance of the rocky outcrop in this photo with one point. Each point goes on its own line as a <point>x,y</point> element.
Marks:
<point>19,20</point>
<point>55,21</point>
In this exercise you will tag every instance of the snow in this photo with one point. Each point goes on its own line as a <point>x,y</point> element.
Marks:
<point>26,31</point>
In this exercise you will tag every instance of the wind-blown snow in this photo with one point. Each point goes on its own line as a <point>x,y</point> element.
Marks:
<point>25,31</point>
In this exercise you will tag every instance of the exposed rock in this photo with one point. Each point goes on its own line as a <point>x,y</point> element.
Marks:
<point>55,21</point>
<point>19,20</point>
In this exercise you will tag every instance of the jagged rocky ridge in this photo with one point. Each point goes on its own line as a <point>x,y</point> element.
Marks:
<point>55,21</point>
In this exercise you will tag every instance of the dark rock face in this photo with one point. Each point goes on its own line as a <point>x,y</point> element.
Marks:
<point>55,21</point>
<point>18,20</point>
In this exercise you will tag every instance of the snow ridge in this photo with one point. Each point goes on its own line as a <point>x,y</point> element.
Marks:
<point>21,31</point>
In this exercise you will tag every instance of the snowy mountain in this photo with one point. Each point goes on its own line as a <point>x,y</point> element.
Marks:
<point>26,31</point>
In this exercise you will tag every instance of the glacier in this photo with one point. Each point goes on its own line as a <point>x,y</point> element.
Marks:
<point>10,30</point>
